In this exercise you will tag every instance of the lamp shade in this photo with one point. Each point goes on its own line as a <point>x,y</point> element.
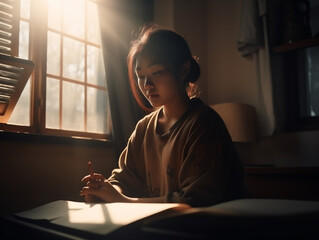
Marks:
<point>240,120</point>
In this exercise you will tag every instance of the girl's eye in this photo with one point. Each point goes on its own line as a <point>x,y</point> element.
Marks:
<point>157,72</point>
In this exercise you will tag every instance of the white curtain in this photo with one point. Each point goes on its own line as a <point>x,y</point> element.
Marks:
<point>253,41</point>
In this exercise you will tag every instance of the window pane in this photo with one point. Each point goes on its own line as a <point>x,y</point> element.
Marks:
<point>73,107</point>
<point>53,53</point>
<point>21,112</point>
<point>54,14</point>
<point>73,17</point>
<point>97,110</point>
<point>95,66</point>
<point>52,103</point>
<point>25,9</point>
<point>314,17</point>
<point>93,26</point>
<point>73,59</point>
<point>24,40</point>
<point>312,55</point>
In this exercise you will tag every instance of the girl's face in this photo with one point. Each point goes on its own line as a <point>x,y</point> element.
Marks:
<point>156,82</point>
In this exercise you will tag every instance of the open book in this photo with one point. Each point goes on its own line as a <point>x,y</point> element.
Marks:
<point>242,218</point>
<point>100,218</point>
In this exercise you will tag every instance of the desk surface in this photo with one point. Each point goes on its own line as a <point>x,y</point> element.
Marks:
<point>301,183</point>
<point>18,228</point>
<point>239,219</point>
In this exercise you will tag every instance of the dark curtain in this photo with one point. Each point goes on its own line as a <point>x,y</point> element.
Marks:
<point>118,20</point>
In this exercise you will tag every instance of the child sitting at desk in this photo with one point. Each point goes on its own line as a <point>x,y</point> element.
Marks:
<point>180,152</point>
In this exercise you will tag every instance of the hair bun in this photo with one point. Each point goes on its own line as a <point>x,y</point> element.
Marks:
<point>194,71</point>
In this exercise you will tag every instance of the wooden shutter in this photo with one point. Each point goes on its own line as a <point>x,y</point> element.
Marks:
<point>9,27</point>
<point>14,72</point>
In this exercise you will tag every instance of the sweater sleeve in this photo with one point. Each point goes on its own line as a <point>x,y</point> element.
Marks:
<point>129,175</point>
<point>211,171</point>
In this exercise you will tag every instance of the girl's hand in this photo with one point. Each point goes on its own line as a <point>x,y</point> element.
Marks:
<point>99,189</point>
<point>93,180</point>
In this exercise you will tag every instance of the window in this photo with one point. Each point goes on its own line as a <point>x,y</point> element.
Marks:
<point>295,63</point>
<point>67,92</point>
<point>310,95</point>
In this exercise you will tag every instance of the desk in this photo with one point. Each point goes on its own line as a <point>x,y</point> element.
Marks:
<point>239,219</point>
<point>299,183</point>
<point>16,228</point>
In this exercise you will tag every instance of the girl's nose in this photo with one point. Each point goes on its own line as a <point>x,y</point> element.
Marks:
<point>148,82</point>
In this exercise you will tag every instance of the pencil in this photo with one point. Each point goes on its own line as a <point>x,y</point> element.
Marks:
<point>91,169</point>
<point>92,180</point>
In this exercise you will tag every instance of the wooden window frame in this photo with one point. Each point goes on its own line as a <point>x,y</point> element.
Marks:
<point>37,53</point>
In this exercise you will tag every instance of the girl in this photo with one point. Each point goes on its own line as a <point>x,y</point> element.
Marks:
<point>181,152</point>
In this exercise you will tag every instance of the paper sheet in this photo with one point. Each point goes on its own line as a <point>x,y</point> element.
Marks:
<point>53,210</point>
<point>105,218</point>
<point>101,218</point>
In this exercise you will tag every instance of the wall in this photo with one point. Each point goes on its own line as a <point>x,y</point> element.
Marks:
<point>231,78</point>
<point>37,171</point>
<point>187,17</point>
<point>211,28</point>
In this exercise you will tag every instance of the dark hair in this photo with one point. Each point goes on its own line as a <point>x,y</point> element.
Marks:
<point>168,47</point>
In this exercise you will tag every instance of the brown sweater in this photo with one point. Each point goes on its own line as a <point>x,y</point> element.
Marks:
<point>195,162</point>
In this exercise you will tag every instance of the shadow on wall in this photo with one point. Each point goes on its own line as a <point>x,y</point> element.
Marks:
<point>34,173</point>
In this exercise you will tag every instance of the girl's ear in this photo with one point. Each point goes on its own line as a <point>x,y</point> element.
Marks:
<point>185,69</point>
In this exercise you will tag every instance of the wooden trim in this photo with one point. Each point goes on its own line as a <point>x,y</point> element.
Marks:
<point>7,128</point>
<point>43,138</point>
<point>77,82</point>
<point>61,132</point>
<point>37,54</point>
<point>282,170</point>
<point>74,38</point>
<point>17,129</point>
<point>296,45</point>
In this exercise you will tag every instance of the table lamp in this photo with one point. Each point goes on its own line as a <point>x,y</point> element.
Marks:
<point>240,120</point>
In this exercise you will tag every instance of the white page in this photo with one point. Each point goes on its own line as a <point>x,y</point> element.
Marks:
<point>105,218</point>
<point>53,210</point>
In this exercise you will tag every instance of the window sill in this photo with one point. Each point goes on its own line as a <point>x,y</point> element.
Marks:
<point>31,137</point>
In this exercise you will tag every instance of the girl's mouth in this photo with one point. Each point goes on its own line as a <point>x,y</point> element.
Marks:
<point>152,95</point>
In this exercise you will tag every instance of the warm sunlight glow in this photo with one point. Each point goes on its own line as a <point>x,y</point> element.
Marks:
<point>104,218</point>
<point>125,213</point>
<point>71,22</point>
<point>93,215</point>
<point>116,213</point>
<point>77,205</point>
